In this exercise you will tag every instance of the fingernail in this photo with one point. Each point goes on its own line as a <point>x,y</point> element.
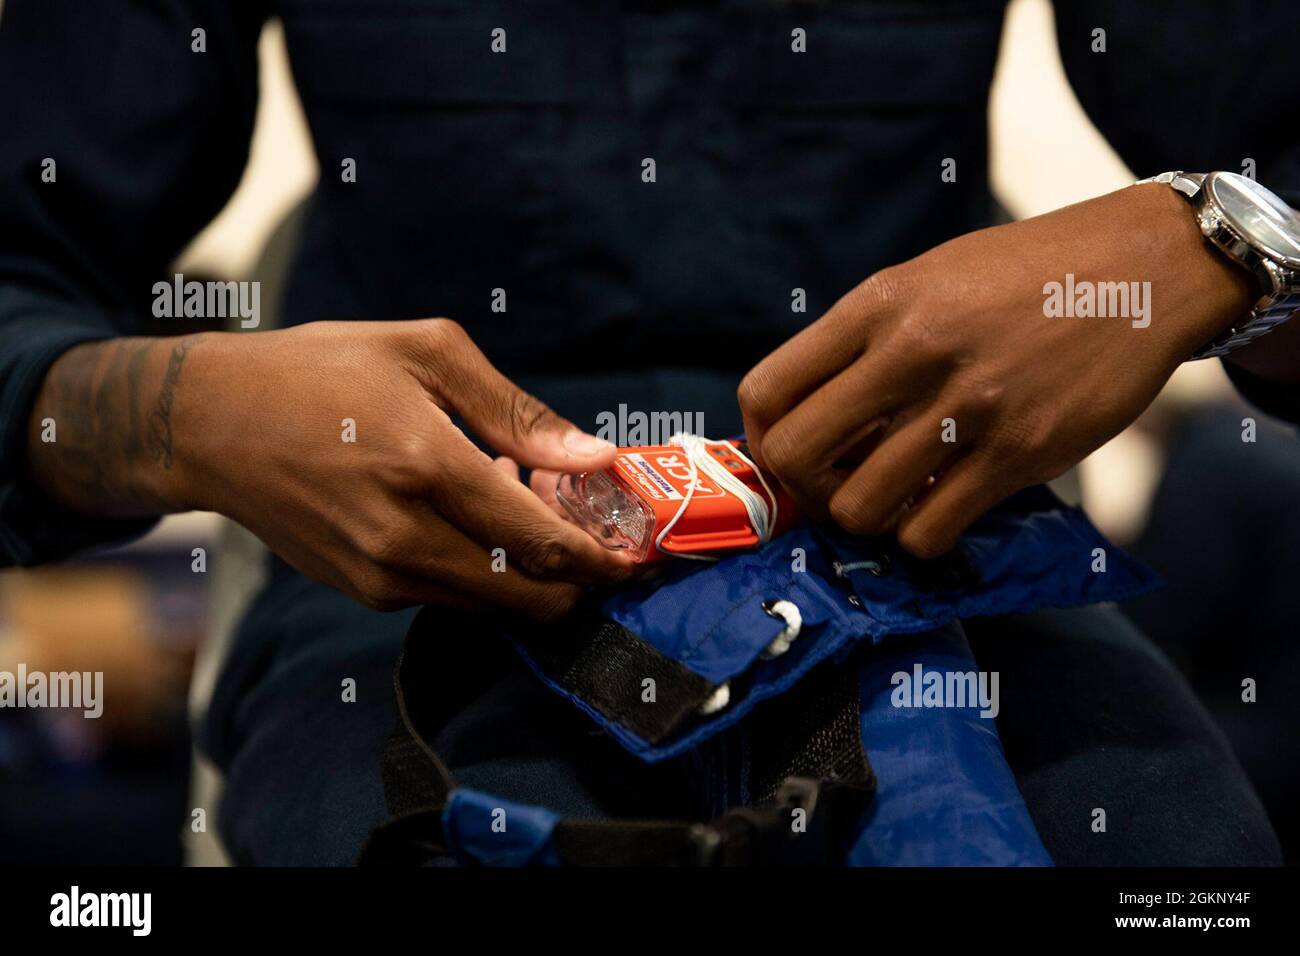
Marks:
<point>580,443</point>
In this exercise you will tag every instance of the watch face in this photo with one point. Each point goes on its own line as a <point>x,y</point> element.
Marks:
<point>1259,216</point>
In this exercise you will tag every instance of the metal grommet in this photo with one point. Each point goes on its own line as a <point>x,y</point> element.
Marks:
<point>878,567</point>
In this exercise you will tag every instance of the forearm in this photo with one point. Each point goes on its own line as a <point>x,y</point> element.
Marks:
<point>103,436</point>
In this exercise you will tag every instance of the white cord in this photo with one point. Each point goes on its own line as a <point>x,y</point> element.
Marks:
<point>696,448</point>
<point>719,699</point>
<point>788,612</point>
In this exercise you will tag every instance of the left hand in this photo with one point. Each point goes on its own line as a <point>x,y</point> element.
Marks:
<point>940,386</point>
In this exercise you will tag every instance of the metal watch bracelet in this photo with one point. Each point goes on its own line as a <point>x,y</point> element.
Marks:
<point>1262,319</point>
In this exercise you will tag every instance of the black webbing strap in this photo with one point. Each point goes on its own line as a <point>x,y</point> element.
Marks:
<point>814,730</point>
<point>605,664</point>
<point>808,770</point>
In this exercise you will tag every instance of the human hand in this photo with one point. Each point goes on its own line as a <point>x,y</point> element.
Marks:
<point>940,386</point>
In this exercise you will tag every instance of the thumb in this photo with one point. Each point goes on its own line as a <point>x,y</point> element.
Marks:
<point>505,416</point>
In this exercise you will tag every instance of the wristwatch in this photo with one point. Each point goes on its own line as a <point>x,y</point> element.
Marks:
<point>1255,229</point>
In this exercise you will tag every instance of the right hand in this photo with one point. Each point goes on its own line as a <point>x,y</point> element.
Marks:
<point>409,511</point>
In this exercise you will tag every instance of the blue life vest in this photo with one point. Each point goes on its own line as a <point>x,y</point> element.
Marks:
<point>688,655</point>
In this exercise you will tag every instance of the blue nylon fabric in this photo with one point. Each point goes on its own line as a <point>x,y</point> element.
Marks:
<point>945,795</point>
<point>1030,552</point>
<point>710,616</point>
<point>737,632</point>
<point>467,826</point>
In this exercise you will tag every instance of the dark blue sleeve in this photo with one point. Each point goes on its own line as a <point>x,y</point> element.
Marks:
<point>1190,84</point>
<point>1198,85</point>
<point>119,143</point>
<point>1280,399</point>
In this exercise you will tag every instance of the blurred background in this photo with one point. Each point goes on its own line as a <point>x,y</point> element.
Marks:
<point>117,790</point>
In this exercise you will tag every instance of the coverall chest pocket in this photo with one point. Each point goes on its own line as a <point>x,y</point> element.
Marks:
<point>453,111</point>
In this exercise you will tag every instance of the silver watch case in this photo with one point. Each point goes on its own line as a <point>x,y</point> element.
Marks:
<point>1278,277</point>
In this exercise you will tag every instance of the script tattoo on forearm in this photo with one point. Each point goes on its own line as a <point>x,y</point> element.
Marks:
<point>160,420</point>
<point>112,405</point>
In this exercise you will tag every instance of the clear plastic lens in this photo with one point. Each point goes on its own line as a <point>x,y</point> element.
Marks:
<point>607,511</point>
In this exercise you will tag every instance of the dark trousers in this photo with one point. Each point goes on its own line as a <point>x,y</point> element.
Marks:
<point>1092,716</point>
